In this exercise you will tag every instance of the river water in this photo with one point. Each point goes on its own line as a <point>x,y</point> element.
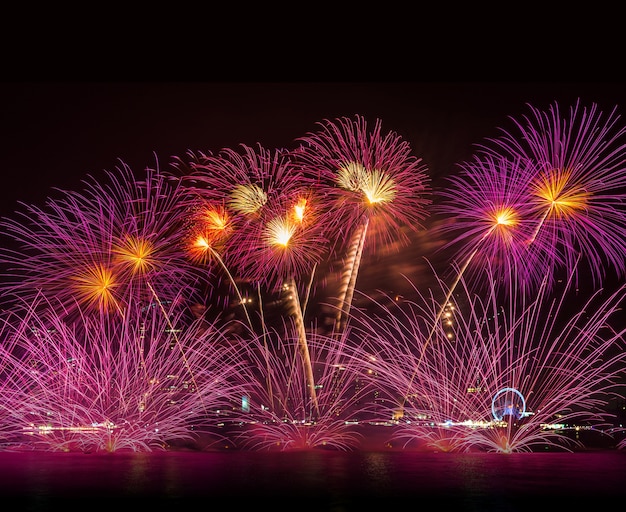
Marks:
<point>316,480</point>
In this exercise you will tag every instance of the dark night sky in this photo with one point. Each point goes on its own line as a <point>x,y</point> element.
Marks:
<point>55,134</point>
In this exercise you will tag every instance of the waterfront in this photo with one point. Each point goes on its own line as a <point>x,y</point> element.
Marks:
<point>315,480</point>
<point>149,306</point>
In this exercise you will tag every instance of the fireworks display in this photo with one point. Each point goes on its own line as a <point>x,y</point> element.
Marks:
<point>101,384</point>
<point>148,311</point>
<point>372,182</point>
<point>578,189</point>
<point>559,367</point>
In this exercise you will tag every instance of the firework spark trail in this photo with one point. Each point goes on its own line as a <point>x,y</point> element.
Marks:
<point>350,273</point>
<point>272,242</point>
<point>566,365</point>
<point>294,308</point>
<point>76,386</point>
<point>366,178</point>
<point>242,182</point>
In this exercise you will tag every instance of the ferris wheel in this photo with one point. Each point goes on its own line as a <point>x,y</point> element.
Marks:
<point>508,402</point>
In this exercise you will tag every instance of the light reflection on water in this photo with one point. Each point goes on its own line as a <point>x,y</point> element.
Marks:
<point>314,480</point>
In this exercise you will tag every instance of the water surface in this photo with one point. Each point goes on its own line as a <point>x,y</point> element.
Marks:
<point>314,480</point>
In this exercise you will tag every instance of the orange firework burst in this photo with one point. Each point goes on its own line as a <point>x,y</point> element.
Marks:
<point>95,286</point>
<point>137,254</point>
<point>208,232</point>
<point>103,244</point>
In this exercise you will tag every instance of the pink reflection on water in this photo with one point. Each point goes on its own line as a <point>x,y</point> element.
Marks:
<point>317,479</point>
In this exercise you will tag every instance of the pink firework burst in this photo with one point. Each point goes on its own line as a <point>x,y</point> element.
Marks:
<point>579,191</point>
<point>488,219</point>
<point>370,180</point>
<point>91,247</point>
<point>103,384</point>
<point>500,375</point>
<point>366,175</point>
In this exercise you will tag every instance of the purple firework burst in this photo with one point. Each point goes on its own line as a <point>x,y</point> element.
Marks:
<point>578,194</point>
<point>488,219</point>
<point>103,384</point>
<point>504,375</point>
<point>92,247</point>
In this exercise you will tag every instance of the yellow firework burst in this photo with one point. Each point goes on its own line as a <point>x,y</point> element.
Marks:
<point>94,286</point>
<point>200,247</point>
<point>135,253</point>
<point>299,209</point>
<point>505,216</point>
<point>559,196</point>
<point>503,220</point>
<point>278,231</point>
<point>247,199</point>
<point>378,187</point>
<point>210,228</point>
<point>352,176</point>
<point>215,220</point>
